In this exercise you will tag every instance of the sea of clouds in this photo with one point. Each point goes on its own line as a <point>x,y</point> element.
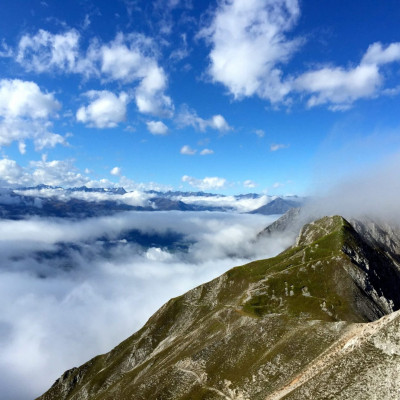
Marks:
<point>72,289</point>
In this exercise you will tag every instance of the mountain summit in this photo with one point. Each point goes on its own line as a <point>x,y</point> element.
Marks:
<point>317,321</point>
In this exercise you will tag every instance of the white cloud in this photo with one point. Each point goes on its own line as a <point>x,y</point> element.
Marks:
<point>56,173</point>
<point>188,150</point>
<point>22,147</point>
<point>339,87</point>
<point>132,198</point>
<point>248,44</point>
<point>277,185</point>
<point>208,183</point>
<point>53,173</point>
<point>10,172</point>
<point>106,110</point>
<point>24,99</point>
<point>206,152</point>
<point>260,133</point>
<point>128,58</point>
<point>157,127</point>
<point>25,113</point>
<point>45,51</point>
<point>5,50</point>
<point>278,146</point>
<point>219,123</point>
<point>239,204</point>
<point>249,49</point>
<point>150,97</point>
<point>124,58</point>
<point>132,58</point>
<point>116,171</point>
<point>249,184</point>
<point>376,54</point>
<point>187,117</point>
<point>131,185</point>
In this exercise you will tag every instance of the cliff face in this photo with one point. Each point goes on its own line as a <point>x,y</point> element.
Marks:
<point>295,326</point>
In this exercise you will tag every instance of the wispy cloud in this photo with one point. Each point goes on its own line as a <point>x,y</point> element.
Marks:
<point>188,117</point>
<point>278,146</point>
<point>249,184</point>
<point>206,152</point>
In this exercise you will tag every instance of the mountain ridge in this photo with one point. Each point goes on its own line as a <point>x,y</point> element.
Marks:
<point>252,331</point>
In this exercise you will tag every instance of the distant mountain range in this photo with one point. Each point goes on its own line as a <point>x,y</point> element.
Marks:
<point>277,206</point>
<point>80,202</point>
<point>318,321</point>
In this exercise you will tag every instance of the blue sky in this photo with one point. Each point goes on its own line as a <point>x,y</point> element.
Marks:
<point>275,96</point>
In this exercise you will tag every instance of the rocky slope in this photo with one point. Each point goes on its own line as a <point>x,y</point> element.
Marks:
<point>317,321</point>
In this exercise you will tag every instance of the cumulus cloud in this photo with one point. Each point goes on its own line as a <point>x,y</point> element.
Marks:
<point>157,127</point>
<point>150,97</point>
<point>249,48</point>
<point>10,172</point>
<point>25,99</point>
<point>339,87</point>
<point>128,58</point>
<point>249,44</point>
<point>206,152</point>
<point>187,150</point>
<point>106,110</point>
<point>207,183</point>
<point>76,301</point>
<point>22,147</point>
<point>25,113</point>
<point>116,171</point>
<point>56,173</point>
<point>378,55</point>
<point>132,58</point>
<point>45,51</point>
<point>188,117</point>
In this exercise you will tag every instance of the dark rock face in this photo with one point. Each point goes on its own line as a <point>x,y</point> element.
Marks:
<point>305,324</point>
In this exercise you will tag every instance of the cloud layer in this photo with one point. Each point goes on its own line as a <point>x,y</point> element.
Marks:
<point>75,289</point>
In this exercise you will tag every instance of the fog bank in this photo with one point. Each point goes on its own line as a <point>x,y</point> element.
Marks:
<point>75,289</point>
